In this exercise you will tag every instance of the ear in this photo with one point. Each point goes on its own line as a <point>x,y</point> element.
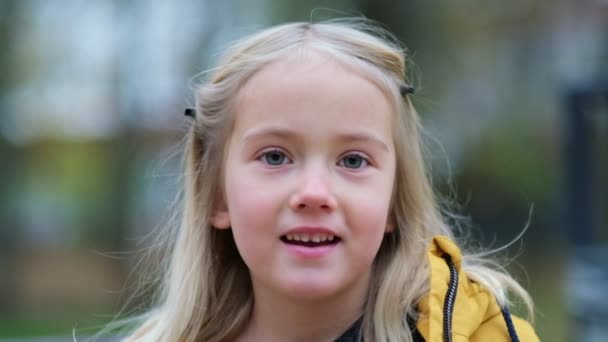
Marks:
<point>220,217</point>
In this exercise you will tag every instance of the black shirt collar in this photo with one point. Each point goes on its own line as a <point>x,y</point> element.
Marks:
<point>352,334</point>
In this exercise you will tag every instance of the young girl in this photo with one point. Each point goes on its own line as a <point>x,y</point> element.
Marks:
<point>308,213</point>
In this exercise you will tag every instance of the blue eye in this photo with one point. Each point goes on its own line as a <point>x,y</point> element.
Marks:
<point>274,157</point>
<point>353,161</point>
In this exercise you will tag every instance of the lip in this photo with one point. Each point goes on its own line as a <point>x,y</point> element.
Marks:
<point>304,252</point>
<point>307,253</point>
<point>311,230</point>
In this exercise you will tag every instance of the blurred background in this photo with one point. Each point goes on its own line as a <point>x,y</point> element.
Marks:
<point>514,94</point>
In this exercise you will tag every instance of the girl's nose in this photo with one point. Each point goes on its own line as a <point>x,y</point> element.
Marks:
<point>312,193</point>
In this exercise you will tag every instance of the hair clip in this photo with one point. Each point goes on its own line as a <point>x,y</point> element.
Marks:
<point>191,112</point>
<point>406,90</point>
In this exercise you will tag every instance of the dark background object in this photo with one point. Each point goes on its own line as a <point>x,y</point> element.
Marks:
<point>587,276</point>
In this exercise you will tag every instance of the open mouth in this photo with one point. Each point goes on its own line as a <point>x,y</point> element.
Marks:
<point>310,240</point>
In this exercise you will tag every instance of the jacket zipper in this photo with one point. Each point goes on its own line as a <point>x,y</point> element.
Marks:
<point>450,299</point>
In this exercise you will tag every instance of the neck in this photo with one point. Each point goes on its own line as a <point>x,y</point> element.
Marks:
<point>279,318</point>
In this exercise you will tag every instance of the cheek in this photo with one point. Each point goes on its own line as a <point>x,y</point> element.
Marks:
<point>371,217</point>
<point>373,226</point>
<point>250,220</point>
<point>253,207</point>
<point>367,215</point>
<point>370,203</point>
<point>249,199</point>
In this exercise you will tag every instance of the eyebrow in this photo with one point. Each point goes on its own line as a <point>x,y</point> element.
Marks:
<point>286,133</point>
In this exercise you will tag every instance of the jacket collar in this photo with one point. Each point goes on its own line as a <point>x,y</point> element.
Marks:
<point>472,304</point>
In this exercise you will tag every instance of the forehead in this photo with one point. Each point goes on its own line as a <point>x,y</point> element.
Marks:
<point>313,89</point>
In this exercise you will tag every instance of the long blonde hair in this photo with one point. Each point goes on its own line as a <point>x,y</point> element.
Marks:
<point>206,291</point>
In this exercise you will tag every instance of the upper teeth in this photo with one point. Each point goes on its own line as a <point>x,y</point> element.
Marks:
<point>310,237</point>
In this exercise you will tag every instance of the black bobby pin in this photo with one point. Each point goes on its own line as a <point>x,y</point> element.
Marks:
<point>406,90</point>
<point>190,112</point>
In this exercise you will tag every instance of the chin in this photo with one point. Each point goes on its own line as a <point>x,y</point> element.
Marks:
<point>311,289</point>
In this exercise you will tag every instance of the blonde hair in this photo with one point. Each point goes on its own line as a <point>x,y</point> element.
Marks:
<point>206,291</point>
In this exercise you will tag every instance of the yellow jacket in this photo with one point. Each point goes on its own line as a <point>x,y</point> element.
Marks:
<point>476,316</point>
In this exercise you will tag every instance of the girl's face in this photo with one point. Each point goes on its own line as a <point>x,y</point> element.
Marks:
<point>309,172</point>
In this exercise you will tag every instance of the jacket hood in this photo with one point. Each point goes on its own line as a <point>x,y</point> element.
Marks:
<point>463,306</point>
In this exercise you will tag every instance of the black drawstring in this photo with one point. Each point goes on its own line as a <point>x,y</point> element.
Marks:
<point>507,316</point>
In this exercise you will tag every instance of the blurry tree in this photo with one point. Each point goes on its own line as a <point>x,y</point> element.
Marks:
<point>9,159</point>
